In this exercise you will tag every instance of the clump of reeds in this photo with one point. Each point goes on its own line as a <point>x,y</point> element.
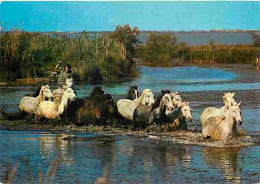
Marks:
<point>222,54</point>
<point>25,54</point>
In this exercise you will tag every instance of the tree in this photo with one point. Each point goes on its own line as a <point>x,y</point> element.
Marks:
<point>128,36</point>
<point>161,48</point>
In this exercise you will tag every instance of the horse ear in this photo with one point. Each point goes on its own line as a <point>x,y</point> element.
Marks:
<point>41,94</point>
<point>233,94</point>
<point>176,92</point>
<point>239,103</point>
<point>188,103</point>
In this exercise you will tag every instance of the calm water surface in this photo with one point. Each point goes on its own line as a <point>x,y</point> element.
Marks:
<point>133,159</point>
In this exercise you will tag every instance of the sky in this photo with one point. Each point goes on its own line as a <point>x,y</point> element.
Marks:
<point>146,15</point>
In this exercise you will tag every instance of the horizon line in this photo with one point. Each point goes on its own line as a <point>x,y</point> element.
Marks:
<point>208,30</point>
<point>127,0</point>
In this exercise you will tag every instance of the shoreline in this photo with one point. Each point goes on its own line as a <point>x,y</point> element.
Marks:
<point>32,81</point>
<point>186,137</point>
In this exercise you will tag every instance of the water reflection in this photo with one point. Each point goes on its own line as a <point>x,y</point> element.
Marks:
<point>55,147</point>
<point>106,152</point>
<point>225,159</point>
<point>154,160</point>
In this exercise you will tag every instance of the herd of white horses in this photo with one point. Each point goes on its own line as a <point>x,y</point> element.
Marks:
<point>143,111</point>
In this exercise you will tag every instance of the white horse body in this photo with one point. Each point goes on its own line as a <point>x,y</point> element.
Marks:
<point>215,112</point>
<point>127,107</point>
<point>29,104</point>
<point>50,110</point>
<point>221,128</point>
<point>179,117</point>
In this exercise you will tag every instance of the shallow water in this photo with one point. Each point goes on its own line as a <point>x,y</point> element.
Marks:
<point>133,159</point>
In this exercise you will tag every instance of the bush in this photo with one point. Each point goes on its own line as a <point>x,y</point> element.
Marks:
<point>163,49</point>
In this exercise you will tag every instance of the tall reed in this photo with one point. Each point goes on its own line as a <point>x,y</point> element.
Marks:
<point>30,54</point>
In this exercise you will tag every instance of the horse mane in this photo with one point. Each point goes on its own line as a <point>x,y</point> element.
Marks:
<point>158,101</point>
<point>41,96</point>
<point>58,93</point>
<point>173,94</point>
<point>37,92</point>
<point>134,87</point>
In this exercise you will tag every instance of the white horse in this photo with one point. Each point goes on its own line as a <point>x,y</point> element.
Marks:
<point>222,128</point>
<point>127,107</point>
<point>209,112</point>
<point>178,118</point>
<point>29,104</point>
<point>145,115</point>
<point>52,110</point>
<point>176,101</point>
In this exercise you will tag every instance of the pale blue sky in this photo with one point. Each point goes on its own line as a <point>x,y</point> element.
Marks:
<point>104,16</point>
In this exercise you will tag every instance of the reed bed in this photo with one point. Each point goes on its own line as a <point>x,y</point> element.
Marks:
<point>165,50</point>
<point>31,54</point>
<point>222,54</point>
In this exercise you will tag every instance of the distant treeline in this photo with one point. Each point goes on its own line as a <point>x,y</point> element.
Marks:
<point>165,50</point>
<point>30,54</point>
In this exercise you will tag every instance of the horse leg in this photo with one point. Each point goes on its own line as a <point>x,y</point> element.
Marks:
<point>205,132</point>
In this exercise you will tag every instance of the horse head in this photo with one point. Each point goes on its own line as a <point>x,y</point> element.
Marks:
<point>148,98</point>
<point>176,99</point>
<point>229,100</point>
<point>236,113</point>
<point>186,111</point>
<point>167,102</point>
<point>47,93</point>
<point>110,103</point>
<point>97,90</point>
<point>132,92</point>
<point>70,94</point>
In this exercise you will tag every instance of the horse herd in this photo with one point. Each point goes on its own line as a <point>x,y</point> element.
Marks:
<point>138,111</point>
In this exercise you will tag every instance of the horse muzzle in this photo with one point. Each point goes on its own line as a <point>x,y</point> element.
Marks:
<point>170,108</point>
<point>73,98</point>
<point>189,119</point>
<point>240,122</point>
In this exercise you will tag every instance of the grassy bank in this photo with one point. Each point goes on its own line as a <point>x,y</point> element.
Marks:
<point>239,54</point>
<point>165,50</point>
<point>30,55</point>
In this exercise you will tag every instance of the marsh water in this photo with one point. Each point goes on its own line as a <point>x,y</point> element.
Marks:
<point>143,159</point>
